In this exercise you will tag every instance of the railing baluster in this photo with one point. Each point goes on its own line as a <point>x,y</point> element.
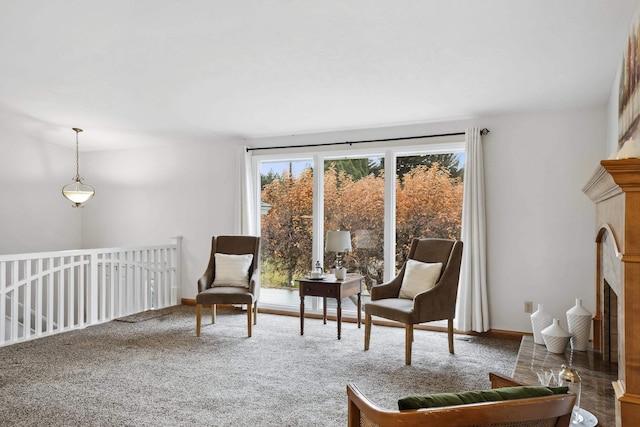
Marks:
<point>138,281</point>
<point>61,294</point>
<point>50,298</point>
<point>15,300</point>
<point>26,304</point>
<point>71,291</point>
<point>146,285</point>
<point>98,262</point>
<point>112,285</point>
<point>166,273</point>
<point>122,298</point>
<point>38,298</point>
<point>83,310</point>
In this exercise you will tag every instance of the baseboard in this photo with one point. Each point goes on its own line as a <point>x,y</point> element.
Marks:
<point>491,333</point>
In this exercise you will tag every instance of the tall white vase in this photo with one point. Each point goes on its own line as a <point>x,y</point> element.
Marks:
<point>540,319</point>
<point>579,321</point>
<point>555,337</point>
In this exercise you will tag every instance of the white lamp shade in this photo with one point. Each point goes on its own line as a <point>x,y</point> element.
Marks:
<point>338,241</point>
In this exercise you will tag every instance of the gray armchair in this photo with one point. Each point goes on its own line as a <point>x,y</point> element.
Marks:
<point>437,303</point>
<point>228,291</point>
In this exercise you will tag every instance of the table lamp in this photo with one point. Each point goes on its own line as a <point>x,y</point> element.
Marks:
<point>338,242</point>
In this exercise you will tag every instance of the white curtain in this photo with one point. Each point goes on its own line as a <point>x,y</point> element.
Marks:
<point>473,310</point>
<point>248,224</point>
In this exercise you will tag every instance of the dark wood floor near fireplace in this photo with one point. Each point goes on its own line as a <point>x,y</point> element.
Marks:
<point>596,375</point>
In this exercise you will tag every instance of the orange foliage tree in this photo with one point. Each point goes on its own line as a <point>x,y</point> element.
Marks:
<point>357,206</point>
<point>428,204</point>
<point>287,227</point>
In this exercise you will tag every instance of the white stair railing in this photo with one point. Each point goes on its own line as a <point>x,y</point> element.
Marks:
<point>46,293</point>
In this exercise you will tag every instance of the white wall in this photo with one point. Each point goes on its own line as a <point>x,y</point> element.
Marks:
<point>541,236</point>
<point>34,216</point>
<point>145,196</point>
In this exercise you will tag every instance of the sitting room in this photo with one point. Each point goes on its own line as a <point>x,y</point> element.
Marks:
<point>369,156</point>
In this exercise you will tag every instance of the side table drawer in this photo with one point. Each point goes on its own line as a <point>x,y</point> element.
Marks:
<point>331,291</point>
<point>318,289</point>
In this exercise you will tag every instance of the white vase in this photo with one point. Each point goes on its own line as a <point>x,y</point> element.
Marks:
<point>579,321</point>
<point>555,337</point>
<point>540,319</point>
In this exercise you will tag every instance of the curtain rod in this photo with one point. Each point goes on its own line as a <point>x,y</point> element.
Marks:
<point>483,131</point>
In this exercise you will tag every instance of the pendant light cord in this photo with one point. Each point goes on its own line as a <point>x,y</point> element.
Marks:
<point>78,130</point>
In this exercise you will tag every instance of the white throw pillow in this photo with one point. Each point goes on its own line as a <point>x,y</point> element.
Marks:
<point>232,270</point>
<point>419,277</point>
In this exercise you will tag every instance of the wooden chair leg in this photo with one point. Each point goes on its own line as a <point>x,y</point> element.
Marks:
<point>198,318</point>
<point>249,319</point>
<point>213,313</point>
<point>367,330</point>
<point>255,313</point>
<point>408,342</point>
<point>450,332</point>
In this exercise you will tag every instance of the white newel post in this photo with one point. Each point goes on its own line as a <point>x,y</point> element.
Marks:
<point>3,299</point>
<point>177,279</point>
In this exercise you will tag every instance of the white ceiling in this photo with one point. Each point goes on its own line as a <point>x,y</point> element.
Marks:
<point>140,72</point>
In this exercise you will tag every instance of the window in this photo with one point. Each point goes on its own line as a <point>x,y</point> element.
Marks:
<point>354,201</point>
<point>428,199</point>
<point>384,197</point>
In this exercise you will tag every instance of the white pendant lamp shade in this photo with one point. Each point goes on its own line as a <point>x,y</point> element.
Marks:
<point>78,192</point>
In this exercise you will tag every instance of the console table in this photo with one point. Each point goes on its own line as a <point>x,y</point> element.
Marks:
<point>597,395</point>
<point>330,287</point>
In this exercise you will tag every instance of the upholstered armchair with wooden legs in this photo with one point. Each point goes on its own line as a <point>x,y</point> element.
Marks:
<point>423,290</point>
<point>232,277</point>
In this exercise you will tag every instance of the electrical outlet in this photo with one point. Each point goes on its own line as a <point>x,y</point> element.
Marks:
<point>528,307</point>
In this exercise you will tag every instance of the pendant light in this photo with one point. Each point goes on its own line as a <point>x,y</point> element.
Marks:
<point>78,192</point>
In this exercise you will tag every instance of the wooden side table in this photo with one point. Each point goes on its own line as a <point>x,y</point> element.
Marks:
<point>330,287</point>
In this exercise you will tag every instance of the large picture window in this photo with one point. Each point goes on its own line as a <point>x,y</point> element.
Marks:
<point>383,197</point>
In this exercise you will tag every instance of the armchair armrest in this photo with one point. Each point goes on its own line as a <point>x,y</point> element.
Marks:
<point>499,381</point>
<point>254,284</point>
<point>437,303</point>
<point>205,281</point>
<point>389,289</point>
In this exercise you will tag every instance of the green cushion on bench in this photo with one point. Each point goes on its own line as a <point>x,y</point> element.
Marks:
<point>438,400</point>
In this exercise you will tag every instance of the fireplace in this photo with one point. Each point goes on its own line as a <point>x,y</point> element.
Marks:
<point>609,285</point>
<point>610,325</point>
<point>615,189</point>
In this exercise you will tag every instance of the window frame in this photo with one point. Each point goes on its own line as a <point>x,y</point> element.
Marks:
<point>317,156</point>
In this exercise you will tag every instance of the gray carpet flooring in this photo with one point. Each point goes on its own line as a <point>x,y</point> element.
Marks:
<point>156,372</point>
